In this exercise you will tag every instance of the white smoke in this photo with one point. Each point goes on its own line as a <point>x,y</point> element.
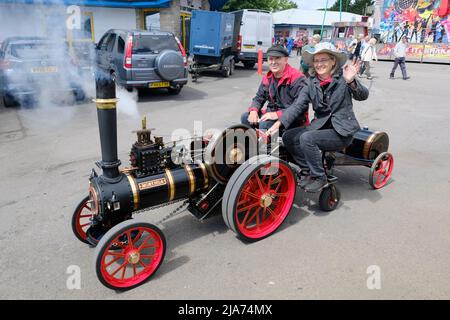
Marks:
<point>74,60</point>
<point>127,103</point>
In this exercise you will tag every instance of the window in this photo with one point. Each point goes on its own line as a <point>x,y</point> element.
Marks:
<point>111,41</point>
<point>103,41</point>
<point>85,33</point>
<point>120,45</point>
<point>152,21</point>
<point>153,43</point>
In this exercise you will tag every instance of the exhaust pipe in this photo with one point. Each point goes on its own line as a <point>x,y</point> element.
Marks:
<point>107,124</point>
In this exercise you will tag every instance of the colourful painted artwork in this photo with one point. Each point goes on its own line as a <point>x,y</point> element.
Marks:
<point>421,21</point>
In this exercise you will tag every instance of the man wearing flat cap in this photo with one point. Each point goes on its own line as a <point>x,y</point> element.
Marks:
<point>279,87</point>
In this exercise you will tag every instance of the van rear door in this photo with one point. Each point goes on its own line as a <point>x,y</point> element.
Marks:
<point>265,30</point>
<point>249,31</point>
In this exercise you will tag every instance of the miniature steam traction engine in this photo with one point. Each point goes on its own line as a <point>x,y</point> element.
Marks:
<point>254,192</point>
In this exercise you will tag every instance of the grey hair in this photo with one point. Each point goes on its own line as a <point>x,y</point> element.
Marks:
<point>334,70</point>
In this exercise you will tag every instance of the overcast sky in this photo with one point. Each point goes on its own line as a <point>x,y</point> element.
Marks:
<point>313,4</point>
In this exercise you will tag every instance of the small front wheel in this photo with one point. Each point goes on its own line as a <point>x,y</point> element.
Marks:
<point>81,220</point>
<point>128,254</point>
<point>329,198</point>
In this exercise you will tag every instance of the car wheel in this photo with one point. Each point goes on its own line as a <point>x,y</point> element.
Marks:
<point>175,90</point>
<point>79,95</point>
<point>249,65</point>
<point>8,101</point>
<point>232,66</point>
<point>226,72</point>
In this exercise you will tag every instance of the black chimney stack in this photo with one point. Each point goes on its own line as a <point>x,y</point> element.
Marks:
<point>107,124</point>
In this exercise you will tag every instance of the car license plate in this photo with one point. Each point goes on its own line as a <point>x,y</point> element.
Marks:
<point>44,70</point>
<point>248,46</point>
<point>159,85</point>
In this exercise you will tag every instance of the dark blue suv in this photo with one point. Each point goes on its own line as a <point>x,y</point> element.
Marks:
<point>30,66</point>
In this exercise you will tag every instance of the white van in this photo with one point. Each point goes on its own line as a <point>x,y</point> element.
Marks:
<point>253,29</point>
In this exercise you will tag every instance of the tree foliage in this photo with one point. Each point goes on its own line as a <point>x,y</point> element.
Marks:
<point>353,6</point>
<point>270,5</point>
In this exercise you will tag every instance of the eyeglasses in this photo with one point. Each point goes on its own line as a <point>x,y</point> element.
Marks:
<point>322,61</point>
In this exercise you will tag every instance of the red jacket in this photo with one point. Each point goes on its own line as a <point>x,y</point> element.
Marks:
<point>279,96</point>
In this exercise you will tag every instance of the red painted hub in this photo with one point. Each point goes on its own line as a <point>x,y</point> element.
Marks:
<point>265,200</point>
<point>133,262</point>
<point>383,171</point>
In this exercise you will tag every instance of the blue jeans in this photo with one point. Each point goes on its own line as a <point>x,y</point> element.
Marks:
<point>264,125</point>
<point>306,147</point>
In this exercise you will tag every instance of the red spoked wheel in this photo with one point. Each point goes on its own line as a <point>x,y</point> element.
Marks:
<point>381,170</point>
<point>259,197</point>
<point>123,267</point>
<point>81,220</point>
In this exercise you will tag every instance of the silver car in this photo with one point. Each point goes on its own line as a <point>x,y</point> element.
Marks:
<point>143,59</point>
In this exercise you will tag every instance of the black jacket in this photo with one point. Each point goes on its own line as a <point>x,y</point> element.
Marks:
<point>335,104</point>
<point>280,95</point>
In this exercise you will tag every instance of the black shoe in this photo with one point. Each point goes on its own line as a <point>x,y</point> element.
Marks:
<point>406,78</point>
<point>317,184</point>
<point>391,77</point>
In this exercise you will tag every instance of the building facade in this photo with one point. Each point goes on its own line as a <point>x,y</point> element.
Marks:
<point>297,23</point>
<point>54,18</point>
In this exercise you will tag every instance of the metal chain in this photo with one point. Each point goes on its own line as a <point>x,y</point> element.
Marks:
<point>174,213</point>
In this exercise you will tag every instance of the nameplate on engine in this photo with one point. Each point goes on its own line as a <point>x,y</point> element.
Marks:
<point>152,184</point>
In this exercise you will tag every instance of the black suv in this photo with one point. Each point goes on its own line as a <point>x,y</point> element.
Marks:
<point>143,59</point>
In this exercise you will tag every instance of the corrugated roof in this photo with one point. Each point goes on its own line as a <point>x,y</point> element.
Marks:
<point>98,3</point>
<point>311,17</point>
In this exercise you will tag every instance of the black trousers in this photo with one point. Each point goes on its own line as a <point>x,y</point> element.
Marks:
<point>306,147</point>
<point>401,62</point>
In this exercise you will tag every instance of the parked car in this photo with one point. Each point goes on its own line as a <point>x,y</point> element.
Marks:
<point>143,59</point>
<point>30,66</point>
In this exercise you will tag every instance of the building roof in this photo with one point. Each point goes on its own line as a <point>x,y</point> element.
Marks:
<point>98,3</point>
<point>311,17</point>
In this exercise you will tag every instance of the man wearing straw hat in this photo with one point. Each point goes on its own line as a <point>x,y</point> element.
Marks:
<point>330,89</point>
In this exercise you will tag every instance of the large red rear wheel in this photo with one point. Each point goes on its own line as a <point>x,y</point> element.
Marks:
<point>381,170</point>
<point>128,254</point>
<point>259,197</point>
<point>81,219</point>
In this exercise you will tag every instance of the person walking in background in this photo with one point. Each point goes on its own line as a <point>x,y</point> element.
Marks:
<point>299,44</point>
<point>369,53</point>
<point>400,55</point>
<point>290,45</point>
<point>364,44</point>
<point>357,52</point>
<point>351,45</point>
<point>310,47</point>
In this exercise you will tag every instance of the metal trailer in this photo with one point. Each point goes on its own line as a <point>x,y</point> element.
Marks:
<point>211,41</point>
